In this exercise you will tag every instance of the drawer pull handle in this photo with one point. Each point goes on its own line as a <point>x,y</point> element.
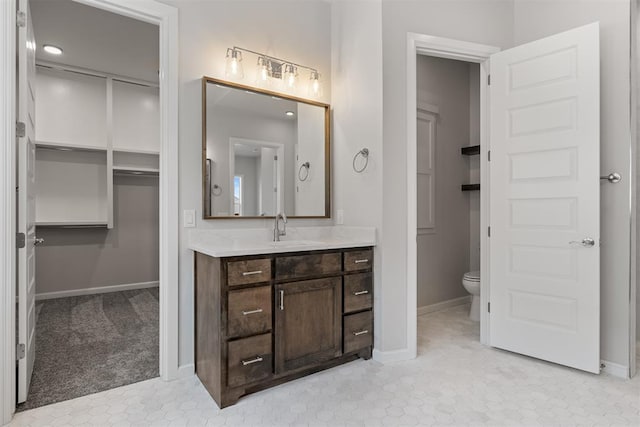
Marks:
<point>281,300</point>
<point>257,310</point>
<point>361,293</point>
<point>251,273</point>
<point>360,261</point>
<point>361,332</point>
<point>249,362</point>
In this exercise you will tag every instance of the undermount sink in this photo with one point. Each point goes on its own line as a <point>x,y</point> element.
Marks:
<point>292,243</point>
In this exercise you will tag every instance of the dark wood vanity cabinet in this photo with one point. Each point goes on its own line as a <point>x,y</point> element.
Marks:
<point>264,320</point>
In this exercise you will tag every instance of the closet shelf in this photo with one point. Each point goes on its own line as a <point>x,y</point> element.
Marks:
<point>470,187</point>
<point>135,151</point>
<point>132,170</point>
<point>470,150</point>
<point>72,224</point>
<point>47,145</point>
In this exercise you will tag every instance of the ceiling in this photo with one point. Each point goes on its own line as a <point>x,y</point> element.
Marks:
<point>96,39</point>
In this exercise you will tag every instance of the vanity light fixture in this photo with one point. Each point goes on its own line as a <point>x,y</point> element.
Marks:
<point>234,68</point>
<point>53,50</point>
<point>272,71</point>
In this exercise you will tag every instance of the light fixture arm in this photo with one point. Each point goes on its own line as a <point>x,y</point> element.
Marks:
<point>273,58</point>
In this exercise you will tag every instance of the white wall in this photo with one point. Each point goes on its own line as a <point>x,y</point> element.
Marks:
<point>488,22</point>
<point>356,40</point>
<point>443,255</point>
<point>534,19</point>
<point>298,31</point>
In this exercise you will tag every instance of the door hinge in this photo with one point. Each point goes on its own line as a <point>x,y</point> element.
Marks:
<point>489,307</point>
<point>489,79</point>
<point>275,158</point>
<point>21,130</point>
<point>20,351</point>
<point>488,231</point>
<point>21,19</point>
<point>489,155</point>
<point>20,240</point>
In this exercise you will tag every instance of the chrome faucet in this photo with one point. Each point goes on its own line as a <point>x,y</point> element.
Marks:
<point>277,232</point>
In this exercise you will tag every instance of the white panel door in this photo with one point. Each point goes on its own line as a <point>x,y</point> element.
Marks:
<point>426,148</point>
<point>26,202</point>
<point>545,199</point>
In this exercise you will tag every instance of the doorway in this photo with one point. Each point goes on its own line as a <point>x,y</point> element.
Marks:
<point>166,18</point>
<point>448,188</point>
<point>91,196</point>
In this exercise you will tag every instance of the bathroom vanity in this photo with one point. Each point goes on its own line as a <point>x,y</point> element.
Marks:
<point>279,310</point>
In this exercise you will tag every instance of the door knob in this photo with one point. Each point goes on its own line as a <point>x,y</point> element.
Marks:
<point>38,241</point>
<point>586,242</point>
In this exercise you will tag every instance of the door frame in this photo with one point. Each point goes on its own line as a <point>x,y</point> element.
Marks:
<point>423,44</point>
<point>166,18</point>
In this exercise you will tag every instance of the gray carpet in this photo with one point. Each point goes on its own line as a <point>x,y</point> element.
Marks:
<point>92,343</point>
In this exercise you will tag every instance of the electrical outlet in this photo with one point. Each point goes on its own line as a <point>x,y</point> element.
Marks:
<point>340,217</point>
<point>189,218</point>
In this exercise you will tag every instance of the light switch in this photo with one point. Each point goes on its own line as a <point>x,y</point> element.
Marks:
<point>189,218</point>
<point>340,217</point>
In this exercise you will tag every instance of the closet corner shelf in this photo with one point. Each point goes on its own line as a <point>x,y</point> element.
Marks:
<point>470,187</point>
<point>135,151</point>
<point>471,150</point>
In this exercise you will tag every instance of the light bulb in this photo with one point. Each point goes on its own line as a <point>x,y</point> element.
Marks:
<point>263,72</point>
<point>234,64</point>
<point>315,86</point>
<point>290,76</point>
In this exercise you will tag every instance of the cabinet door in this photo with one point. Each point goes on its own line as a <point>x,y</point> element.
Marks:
<point>308,326</point>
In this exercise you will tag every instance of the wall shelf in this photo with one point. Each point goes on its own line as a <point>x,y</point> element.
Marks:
<point>49,145</point>
<point>470,187</point>
<point>471,150</point>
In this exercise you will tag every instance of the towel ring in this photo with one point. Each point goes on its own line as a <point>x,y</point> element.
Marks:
<point>217,190</point>
<point>365,154</point>
<point>306,166</point>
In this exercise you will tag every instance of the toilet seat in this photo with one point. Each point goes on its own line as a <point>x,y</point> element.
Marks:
<point>472,276</point>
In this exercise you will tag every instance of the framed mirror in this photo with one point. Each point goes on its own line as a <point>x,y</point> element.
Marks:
<point>263,153</point>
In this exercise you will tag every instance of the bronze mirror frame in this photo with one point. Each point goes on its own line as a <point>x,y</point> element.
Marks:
<point>327,145</point>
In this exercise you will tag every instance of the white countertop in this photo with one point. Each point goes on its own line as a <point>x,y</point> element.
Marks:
<point>255,241</point>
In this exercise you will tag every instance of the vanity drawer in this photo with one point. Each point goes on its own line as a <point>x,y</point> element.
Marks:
<point>249,360</point>
<point>358,292</point>
<point>358,331</point>
<point>294,267</point>
<point>249,311</point>
<point>249,271</point>
<point>358,260</point>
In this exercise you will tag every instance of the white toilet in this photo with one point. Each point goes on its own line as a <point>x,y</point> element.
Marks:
<point>471,282</point>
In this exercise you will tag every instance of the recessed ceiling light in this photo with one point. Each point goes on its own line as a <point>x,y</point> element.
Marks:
<point>290,113</point>
<point>53,50</point>
<point>276,98</point>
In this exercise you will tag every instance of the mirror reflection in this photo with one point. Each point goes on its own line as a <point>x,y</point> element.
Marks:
<point>264,153</point>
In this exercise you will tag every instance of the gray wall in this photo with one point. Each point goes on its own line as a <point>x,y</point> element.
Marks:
<point>534,19</point>
<point>443,256</point>
<point>72,259</point>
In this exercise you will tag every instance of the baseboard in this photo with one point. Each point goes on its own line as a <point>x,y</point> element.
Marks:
<point>186,371</point>
<point>98,290</point>
<point>432,308</point>
<point>392,356</point>
<point>614,369</point>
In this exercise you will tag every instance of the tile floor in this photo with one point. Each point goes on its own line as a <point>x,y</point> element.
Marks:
<point>454,381</point>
